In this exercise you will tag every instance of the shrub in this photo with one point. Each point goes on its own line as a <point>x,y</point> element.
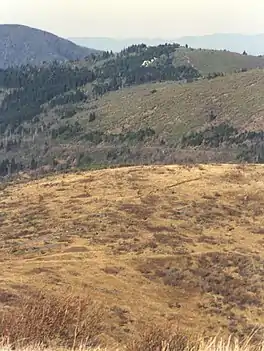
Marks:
<point>92,116</point>
<point>49,320</point>
<point>212,116</point>
<point>161,338</point>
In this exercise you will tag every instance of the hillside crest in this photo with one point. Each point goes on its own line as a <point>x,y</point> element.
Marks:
<point>20,45</point>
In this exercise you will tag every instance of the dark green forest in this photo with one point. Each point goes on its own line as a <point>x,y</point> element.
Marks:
<point>31,87</point>
<point>250,143</point>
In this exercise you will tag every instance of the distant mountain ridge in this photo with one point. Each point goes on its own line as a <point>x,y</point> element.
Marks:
<point>25,45</point>
<point>252,44</point>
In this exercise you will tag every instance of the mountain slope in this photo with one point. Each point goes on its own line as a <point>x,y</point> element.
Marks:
<point>99,112</point>
<point>224,110</point>
<point>157,243</point>
<point>215,61</point>
<point>21,45</point>
<point>173,109</point>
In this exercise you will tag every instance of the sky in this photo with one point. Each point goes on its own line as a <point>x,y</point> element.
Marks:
<point>136,18</point>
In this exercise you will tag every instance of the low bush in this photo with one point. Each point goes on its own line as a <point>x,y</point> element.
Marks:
<point>49,320</point>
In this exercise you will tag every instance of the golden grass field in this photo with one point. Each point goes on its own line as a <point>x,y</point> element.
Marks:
<point>182,244</point>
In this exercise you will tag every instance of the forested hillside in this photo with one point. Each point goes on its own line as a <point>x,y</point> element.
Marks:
<point>34,86</point>
<point>143,105</point>
<point>21,45</point>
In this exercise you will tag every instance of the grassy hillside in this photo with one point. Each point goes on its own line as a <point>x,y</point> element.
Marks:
<point>147,123</point>
<point>160,243</point>
<point>206,61</point>
<point>112,110</point>
<point>210,61</point>
<point>174,109</point>
<point>170,111</point>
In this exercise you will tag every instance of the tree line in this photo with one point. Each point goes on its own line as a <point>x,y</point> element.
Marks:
<point>30,87</point>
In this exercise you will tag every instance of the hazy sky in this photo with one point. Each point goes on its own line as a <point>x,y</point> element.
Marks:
<point>136,18</point>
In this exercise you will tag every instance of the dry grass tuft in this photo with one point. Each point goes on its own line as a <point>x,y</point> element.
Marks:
<point>41,348</point>
<point>231,344</point>
<point>167,338</point>
<point>161,338</point>
<point>48,320</point>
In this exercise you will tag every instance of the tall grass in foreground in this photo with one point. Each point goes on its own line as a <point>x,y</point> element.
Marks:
<point>211,345</point>
<point>52,320</point>
<point>166,338</point>
<point>55,323</point>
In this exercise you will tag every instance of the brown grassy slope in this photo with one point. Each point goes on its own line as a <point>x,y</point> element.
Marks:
<point>171,109</point>
<point>175,109</point>
<point>171,242</point>
<point>210,61</point>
